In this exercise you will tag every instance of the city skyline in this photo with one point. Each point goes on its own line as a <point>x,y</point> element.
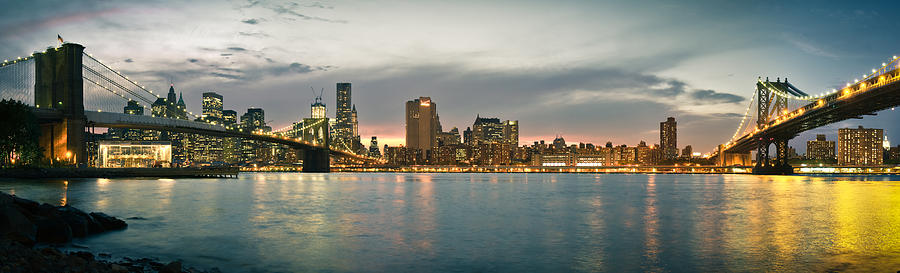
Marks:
<point>277,50</point>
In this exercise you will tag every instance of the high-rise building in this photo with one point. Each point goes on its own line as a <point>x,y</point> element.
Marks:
<point>668,138</point>
<point>346,125</point>
<point>212,107</point>
<point>207,149</point>
<point>422,125</point>
<point>820,149</point>
<point>231,146</point>
<point>860,146</point>
<point>487,130</point>
<point>373,148</point>
<point>511,132</point>
<point>253,121</point>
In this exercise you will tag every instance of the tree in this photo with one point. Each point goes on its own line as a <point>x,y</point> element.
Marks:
<point>19,132</point>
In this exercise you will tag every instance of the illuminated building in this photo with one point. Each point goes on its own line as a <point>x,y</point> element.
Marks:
<point>212,107</point>
<point>557,160</point>
<point>559,143</point>
<point>511,132</point>
<point>643,154</point>
<point>134,154</point>
<point>422,124</point>
<point>448,138</point>
<point>668,138</point>
<point>820,149</point>
<point>346,124</point>
<point>687,152</point>
<point>253,121</point>
<point>860,146</point>
<point>209,149</point>
<point>373,148</point>
<point>231,146</point>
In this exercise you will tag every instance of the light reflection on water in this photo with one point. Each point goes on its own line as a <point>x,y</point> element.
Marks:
<point>495,222</point>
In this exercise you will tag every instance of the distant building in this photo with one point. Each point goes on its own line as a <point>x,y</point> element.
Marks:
<point>373,148</point>
<point>422,124</point>
<point>820,149</point>
<point>212,107</point>
<point>207,149</point>
<point>253,121</point>
<point>860,146</point>
<point>317,125</point>
<point>668,138</point>
<point>231,146</point>
<point>687,152</point>
<point>346,125</point>
<point>559,143</point>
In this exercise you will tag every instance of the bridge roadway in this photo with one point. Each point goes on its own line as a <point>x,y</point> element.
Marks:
<point>864,98</point>
<point>121,120</point>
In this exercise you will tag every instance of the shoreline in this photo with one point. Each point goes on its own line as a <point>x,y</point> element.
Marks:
<point>33,237</point>
<point>38,173</point>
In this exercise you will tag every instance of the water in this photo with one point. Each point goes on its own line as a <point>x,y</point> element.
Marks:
<point>344,222</point>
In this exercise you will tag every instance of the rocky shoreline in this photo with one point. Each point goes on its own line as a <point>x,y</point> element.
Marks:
<point>25,224</point>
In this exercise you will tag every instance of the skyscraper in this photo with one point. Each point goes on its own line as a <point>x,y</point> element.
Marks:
<point>421,124</point>
<point>209,149</point>
<point>860,146</point>
<point>212,107</point>
<point>668,138</point>
<point>253,120</point>
<point>231,146</point>
<point>346,135</point>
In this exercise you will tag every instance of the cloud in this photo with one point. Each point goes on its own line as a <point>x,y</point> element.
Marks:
<point>192,60</point>
<point>238,49</point>
<point>290,10</point>
<point>807,46</point>
<point>129,60</point>
<point>713,97</point>
<point>253,34</point>
<point>250,21</point>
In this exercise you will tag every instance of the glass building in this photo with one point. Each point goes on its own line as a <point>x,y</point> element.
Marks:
<point>134,154</point>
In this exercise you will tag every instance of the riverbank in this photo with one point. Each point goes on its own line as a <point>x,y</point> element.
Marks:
<point>31,232</point>
<point>34,173</point>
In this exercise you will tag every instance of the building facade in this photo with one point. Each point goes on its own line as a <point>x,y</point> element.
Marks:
<point>668,138</point>
<point>820,149</point>
<point>422,124</point>
<point>860,146</point>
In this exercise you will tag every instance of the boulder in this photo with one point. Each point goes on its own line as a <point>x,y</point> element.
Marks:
<point>5,199</point>
<point>26,204</point>
<point>53,230</point>
<point>77,220</point>
<point>173,267</point>
<point>108,222</point>
<point>15,226</point>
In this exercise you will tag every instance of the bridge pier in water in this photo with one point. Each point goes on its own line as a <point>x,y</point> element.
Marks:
<point>316,160</point>
<point>59,88</point>
<point>772,166</point>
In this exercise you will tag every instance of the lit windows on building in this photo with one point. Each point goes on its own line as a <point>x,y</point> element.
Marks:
<point>860,146</point>
<point>820,149</point>
<point>134,154</point>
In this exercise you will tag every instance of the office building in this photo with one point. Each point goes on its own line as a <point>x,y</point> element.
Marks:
<point>422,124</point>
<point>373,148</point>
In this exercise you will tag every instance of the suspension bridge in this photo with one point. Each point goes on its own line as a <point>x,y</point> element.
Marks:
<point>70,91</point>
<point>783,111</point>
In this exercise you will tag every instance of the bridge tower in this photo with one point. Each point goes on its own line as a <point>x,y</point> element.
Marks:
<point>58,87</point>
<point>767,100</point>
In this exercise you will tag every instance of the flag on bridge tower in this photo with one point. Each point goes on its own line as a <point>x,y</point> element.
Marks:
<point>59,38</point>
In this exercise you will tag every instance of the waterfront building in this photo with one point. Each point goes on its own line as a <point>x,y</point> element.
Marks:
<point>134,154</point>
<point>511,132</point>
<point>668,138</point>
<point>422,125</point>
<point>397,156</point>
<point>860,146</point>
<point>487,130</point>
<point>467,136</point>
<point>559,143</point>
<point>208,150</point>
<point>820,149</point>
<point>687,152</point>
<point>643,154</point>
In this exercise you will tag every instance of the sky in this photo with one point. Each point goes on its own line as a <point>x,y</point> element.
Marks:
<point>589,71</point>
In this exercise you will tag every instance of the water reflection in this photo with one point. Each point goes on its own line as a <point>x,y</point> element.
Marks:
<point>496,222</point>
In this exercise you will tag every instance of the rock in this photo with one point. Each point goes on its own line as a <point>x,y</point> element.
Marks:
<point>15,226</point>
<point>118,268</point>
<point>53,230</point>
<point>46,210</point>
<point>5,199</point>
<point>108,222</point>
<point>26,204</point>
<point>87,256</point>
<point>173,267</point>
<point>51,252</point>
<point>77,220</point>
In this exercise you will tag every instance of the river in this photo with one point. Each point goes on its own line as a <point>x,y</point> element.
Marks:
<point>407,222</point>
